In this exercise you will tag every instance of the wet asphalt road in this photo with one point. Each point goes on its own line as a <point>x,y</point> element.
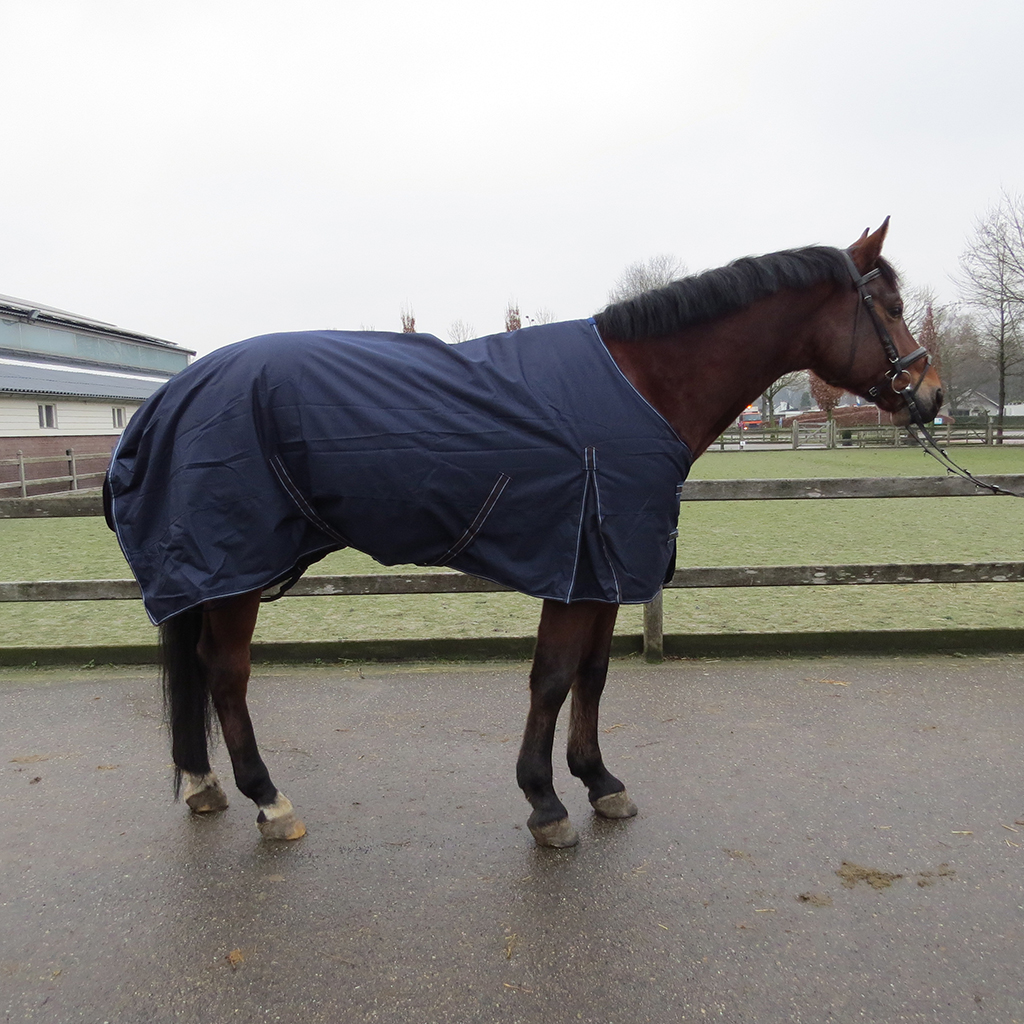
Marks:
<point>418,895</point>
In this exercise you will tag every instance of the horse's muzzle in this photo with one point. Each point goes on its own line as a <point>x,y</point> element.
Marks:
<point>928,400</point>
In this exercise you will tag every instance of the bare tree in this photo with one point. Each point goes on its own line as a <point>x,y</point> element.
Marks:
<point>642,276</point>
<point>513,321</point>
<point>787,380</point>
<point>916,303</point>
<point>408,321</point>
<point>928,336</point>
<point>950,332</point>
<point>540,316</point>
<point>459,330</point>
<point>964,364</point>
<point>992,278</point>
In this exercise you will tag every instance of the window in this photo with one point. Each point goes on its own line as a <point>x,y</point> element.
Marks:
<point>118,417</point>
<point>47,416</point>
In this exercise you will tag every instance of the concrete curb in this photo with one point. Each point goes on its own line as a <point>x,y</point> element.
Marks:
<point>677,645</point>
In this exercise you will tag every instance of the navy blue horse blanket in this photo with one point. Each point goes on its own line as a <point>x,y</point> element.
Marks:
<point>524,458</point>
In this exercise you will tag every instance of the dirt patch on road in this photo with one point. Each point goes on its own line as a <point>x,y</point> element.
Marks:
<point>815,899</point>
<point>931,877</point>
<point>851,874</point>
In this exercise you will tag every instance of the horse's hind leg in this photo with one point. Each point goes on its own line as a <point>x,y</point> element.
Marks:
<point>225,655</point>
<point>571,637</point>
<point>187,700</point>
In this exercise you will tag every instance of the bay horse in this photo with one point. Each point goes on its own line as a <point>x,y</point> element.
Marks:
<point>219,495</point>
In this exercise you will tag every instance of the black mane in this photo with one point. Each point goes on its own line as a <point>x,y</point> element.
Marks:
<point>716,293</point>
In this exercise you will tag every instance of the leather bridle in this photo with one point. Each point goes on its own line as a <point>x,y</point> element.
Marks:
<point>898,374</point>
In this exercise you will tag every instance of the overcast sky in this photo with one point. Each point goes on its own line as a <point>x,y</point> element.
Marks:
<point>206,170</point>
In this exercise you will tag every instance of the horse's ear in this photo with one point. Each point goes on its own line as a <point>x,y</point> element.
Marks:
<point>867,249</point>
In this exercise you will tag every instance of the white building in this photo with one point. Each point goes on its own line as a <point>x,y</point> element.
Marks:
<point>68,385</point>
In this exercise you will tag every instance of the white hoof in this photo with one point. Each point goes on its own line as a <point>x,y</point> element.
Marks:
<point>278,820</point>
<point>204,795</point>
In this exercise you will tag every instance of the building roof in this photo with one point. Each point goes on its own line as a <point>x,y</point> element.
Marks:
<point>23,376</point>
<point>38,313</point>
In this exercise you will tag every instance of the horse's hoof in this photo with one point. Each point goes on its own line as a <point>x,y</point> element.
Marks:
<point>285,827</point>
<point>558,834</point>
<point>614,805</point>
<point>278,821</point>
<point>206,796</point>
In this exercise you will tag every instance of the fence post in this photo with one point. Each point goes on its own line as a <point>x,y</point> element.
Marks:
<point>654,629</point>
<point>72,468</point>
<point>21,473</point>
<point>796,435</point>
<point>988,428</point>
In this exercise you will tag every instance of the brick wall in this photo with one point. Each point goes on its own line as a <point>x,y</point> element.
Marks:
<point>55,446</point>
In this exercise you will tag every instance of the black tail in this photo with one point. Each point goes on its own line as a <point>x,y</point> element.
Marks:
<point>187,704</point>
<point>108,503</point>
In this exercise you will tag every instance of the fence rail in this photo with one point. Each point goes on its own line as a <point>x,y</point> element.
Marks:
<point>90,504</point>
<point>72,479</point>
<point>457,583</point>
<point>835,434</point>
<point>797,434</point>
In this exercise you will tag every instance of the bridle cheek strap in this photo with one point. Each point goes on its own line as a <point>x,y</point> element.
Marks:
<point>898,374</point>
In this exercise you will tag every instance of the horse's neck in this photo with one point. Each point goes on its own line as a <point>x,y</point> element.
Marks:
<point>703,377</point>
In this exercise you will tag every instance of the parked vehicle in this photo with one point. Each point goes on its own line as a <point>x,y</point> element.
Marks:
<point>750,418</point>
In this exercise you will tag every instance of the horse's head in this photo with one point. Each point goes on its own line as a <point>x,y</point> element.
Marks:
<point>864,344</point>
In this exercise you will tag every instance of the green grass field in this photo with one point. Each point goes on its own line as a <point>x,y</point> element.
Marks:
<point>710,533</point>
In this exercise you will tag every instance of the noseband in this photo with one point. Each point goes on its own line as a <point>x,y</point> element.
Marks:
<point>898,374</point>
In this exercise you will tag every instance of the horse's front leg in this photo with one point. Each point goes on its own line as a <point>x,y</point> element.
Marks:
<point>607,794</point>
<point>224,649</point>
<point>570,636</point>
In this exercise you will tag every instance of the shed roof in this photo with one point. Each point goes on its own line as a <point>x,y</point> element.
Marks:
<point>36,311</point>
<point>22,376</point>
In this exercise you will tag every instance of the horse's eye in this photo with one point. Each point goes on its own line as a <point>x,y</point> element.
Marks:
<point>896,311</point>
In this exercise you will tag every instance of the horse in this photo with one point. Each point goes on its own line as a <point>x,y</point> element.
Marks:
<point>657,378</point>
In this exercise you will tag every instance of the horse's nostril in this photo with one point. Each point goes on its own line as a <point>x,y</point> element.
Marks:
<point>939,396</point>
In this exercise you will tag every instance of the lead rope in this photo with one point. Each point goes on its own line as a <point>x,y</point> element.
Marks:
<point>931,447</point>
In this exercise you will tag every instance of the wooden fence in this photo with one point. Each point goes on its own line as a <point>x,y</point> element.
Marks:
<point>831,434</point>
<point>89,504</point>
<point>80,470</point>
<point>74,479</point>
